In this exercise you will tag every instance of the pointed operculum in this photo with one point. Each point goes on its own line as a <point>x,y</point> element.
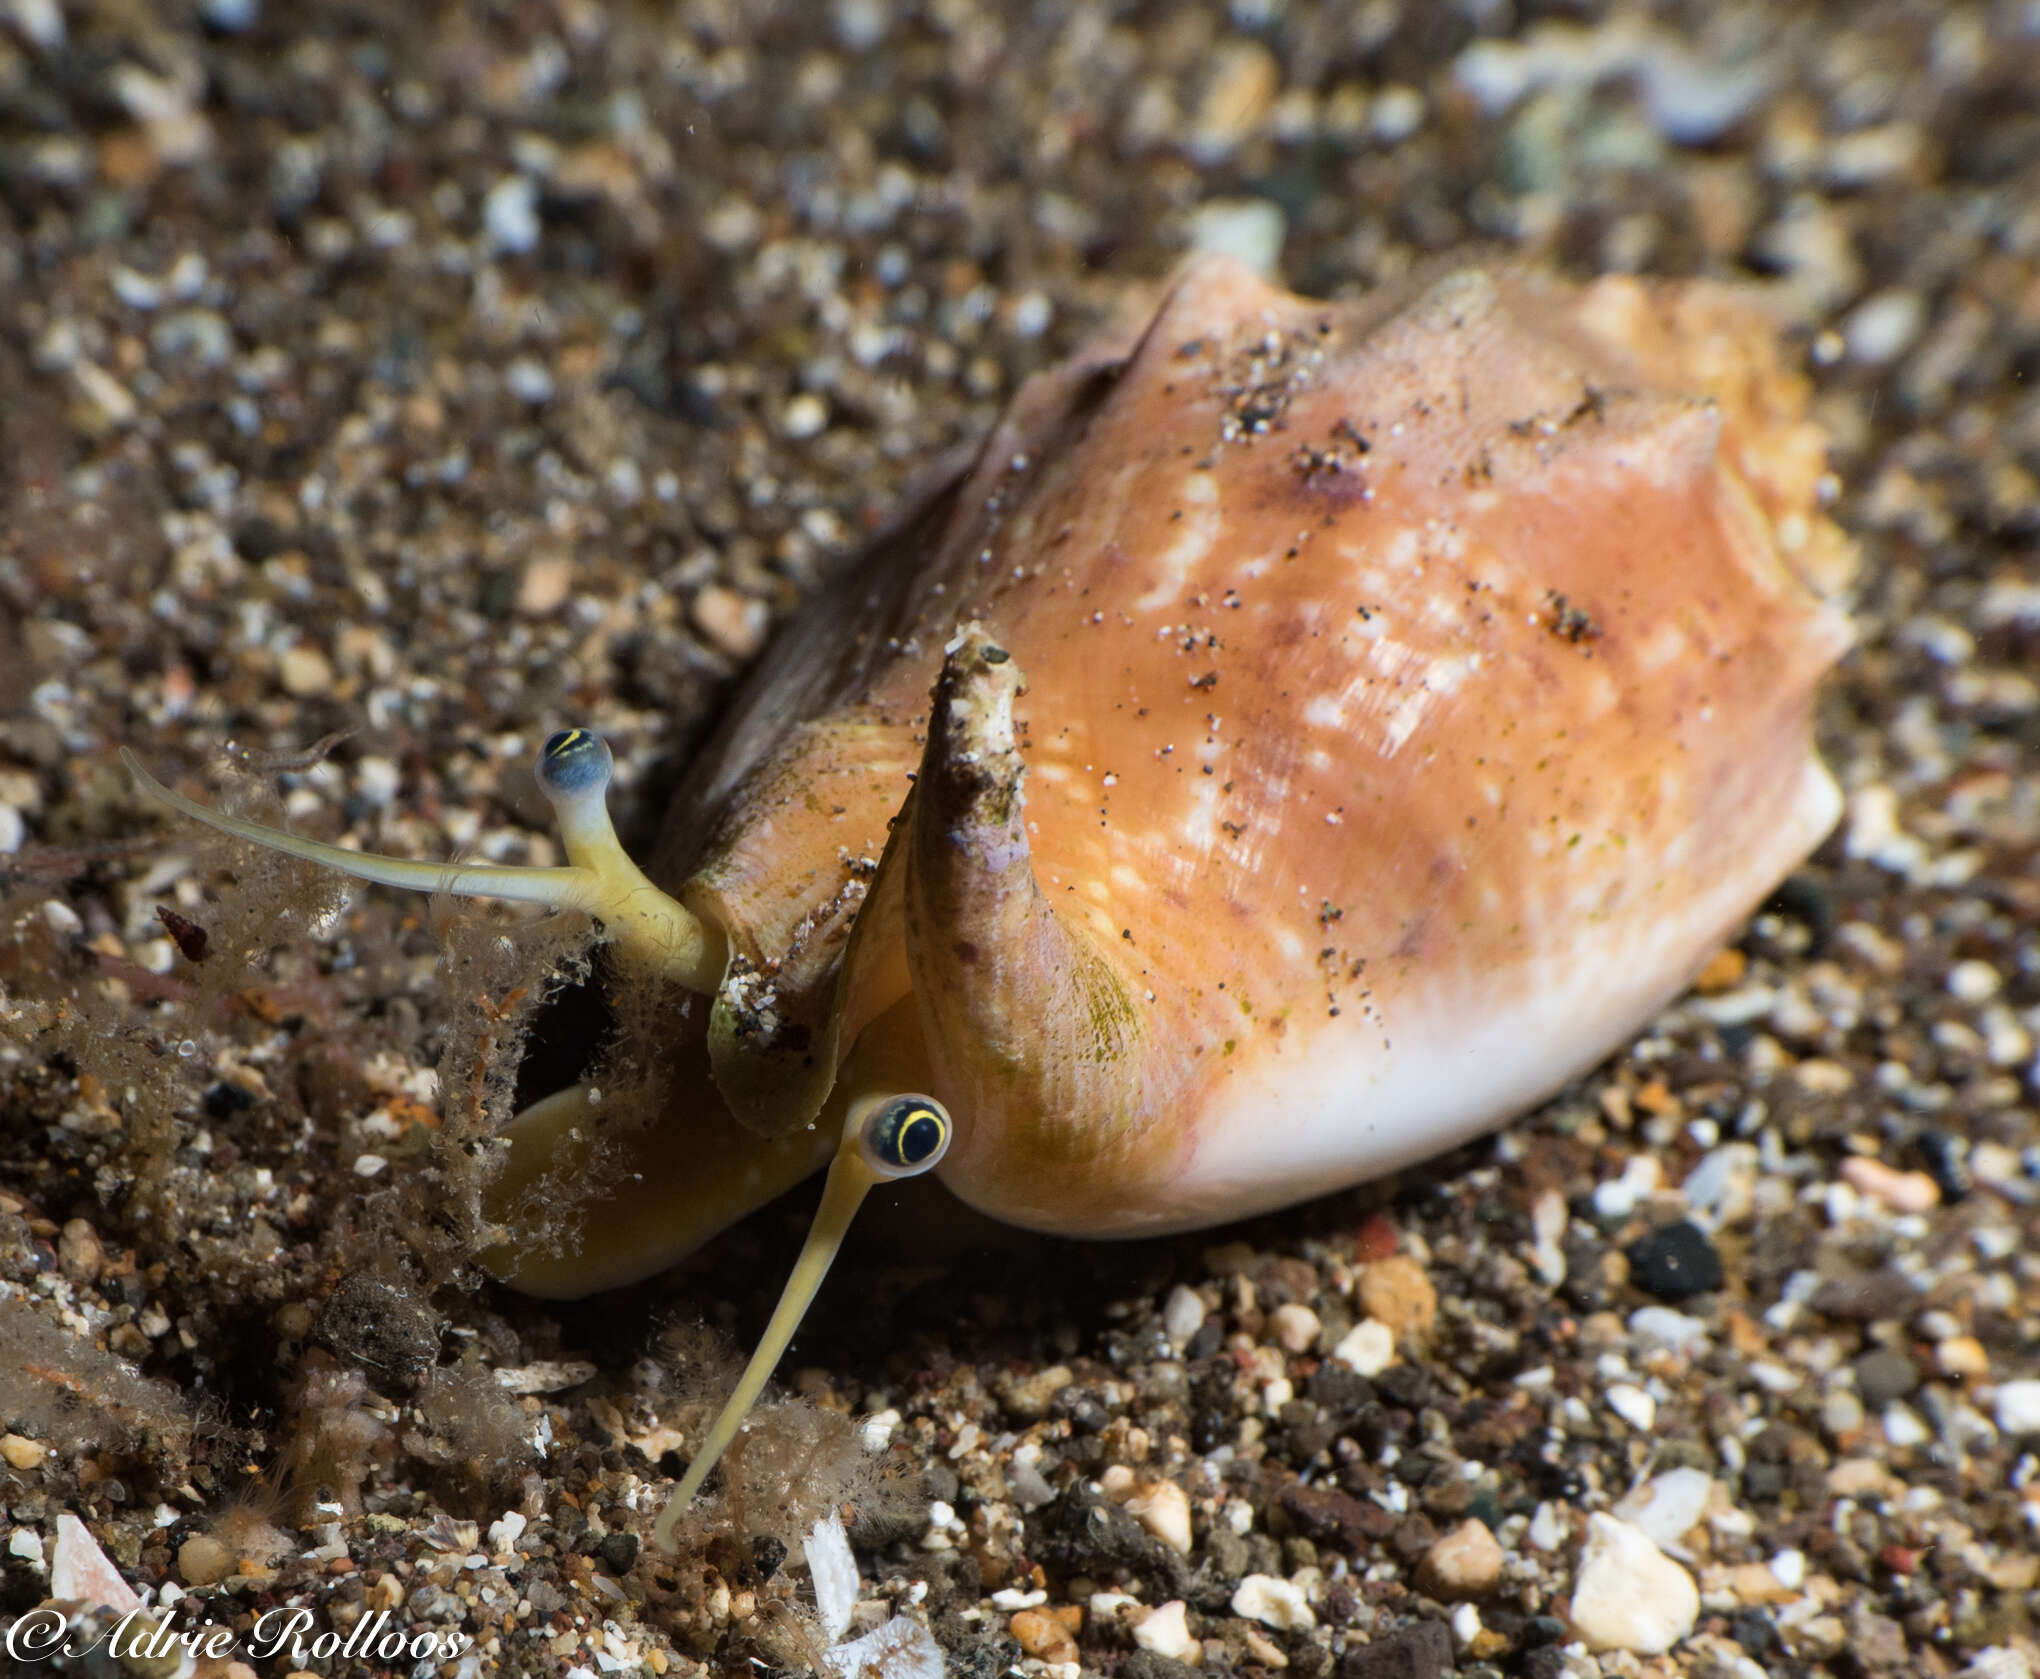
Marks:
<point>1035,1038</point>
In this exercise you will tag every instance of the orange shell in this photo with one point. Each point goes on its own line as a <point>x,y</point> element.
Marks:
<point>1417,691</point>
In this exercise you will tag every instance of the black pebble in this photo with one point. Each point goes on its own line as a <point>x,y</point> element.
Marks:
<point>1941,1155</point>
<point>223,1101</point>
<point>1762,1482</point>
<point>1753,1631</point>
<point>618,1551</point>
<point>1885,1375</point>
<point>1423,1651</point>
<point>1675,1263</point>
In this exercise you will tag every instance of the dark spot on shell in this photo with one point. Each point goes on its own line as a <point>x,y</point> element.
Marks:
<point>1569,622</point>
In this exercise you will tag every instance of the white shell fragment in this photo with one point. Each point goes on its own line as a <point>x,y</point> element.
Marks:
<point>80,1571</point>
<point>1163,1508</point>
<point>834,1572</point>
<point>1166,1631</point>
<point>2018,1408</point>
<point>1274,1603</point>
<point>1666,1507</point>
<point>1368,1347</point>
<point>1630,1595</point>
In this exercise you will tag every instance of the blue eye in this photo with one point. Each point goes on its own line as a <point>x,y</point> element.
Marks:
<point>574,761</point>
<point>906,1135</point>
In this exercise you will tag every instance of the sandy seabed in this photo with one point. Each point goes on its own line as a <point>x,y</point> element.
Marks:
<point>437,376</point>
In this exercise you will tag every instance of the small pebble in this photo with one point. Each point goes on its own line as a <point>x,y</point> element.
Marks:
<point>1249,230</point>
<point>1166,1631</point>
<point>113,406</point>
<point>1274,1602</point>
<point>528,380</point>
<point>1619,1197</point>
<point>1882,327</point>
<point>1548,1528</point>
<point>1861,1477</point>
<point>1295,1327</point>
<point>510,214</point>
<point>1046,1633</point>
<point>1633,1405</point>
<point>860,25</point>
<point>80,1252</point>
<point>807,415</point>
<point>1466,1626</point>
<point>1902,1192</point>
<point>1368,1347</point>
<point>204,1561</point>
<point>1660,1326</point>
<point>1422,1651</point>
<point>733,622</point>
<point>1630,1595</point>
<point>1376,1239</point>
<point>1465,1563</point>
<point>544,586</point>
<point>1163,1508</point>
<point>1241,80</point>
<point>1182,1314</point>
<point>1398,1293</point>
<point>1841,1413</point>
<point>1974,981</point>
<point>1903,1428</point>
<point>22,1452</point>
<point>231,17</point>
<point>41,22</point>
<point>1398,112</point>
<point>1885,1375</point>
<point>1675,1262</point>
<point>2017,1408</point>
<point>1724,972</point>
<point>1667,1507</point>
<point>1032,314</point>
<point>305,672</point>
<point>1963,1357</point>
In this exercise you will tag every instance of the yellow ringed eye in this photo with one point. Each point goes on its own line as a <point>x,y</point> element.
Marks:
<point>906,1135</point>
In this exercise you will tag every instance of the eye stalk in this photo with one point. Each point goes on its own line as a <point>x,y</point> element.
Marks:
<point>651,929</point>
<point>885,1138</point>
<point>905,1136</point>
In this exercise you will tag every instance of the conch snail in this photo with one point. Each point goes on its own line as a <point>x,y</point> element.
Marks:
<point>1348,722</point>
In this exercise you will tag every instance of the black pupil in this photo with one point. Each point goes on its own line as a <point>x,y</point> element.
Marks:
<point>918,1138</point>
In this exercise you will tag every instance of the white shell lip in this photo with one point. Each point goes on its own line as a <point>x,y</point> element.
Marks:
<point>1351,1100</point>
